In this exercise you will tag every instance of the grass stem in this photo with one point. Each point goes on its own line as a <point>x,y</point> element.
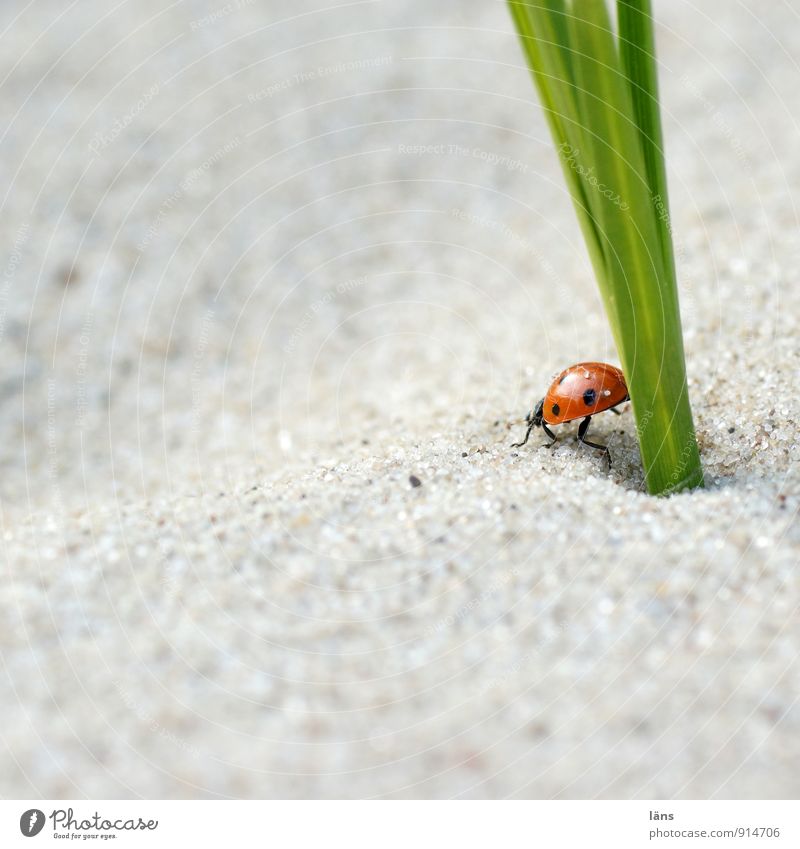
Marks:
<point>599,91</point>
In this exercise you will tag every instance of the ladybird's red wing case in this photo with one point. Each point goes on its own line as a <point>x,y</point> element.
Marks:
<point>583,390</point>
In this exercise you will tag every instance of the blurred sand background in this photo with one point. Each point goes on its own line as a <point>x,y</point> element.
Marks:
<point>260,265</point>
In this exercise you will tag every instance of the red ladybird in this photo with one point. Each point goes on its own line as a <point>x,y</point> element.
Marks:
<point>579,392</point>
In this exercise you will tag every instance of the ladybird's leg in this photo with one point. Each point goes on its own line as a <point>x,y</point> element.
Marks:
<point>584,426</point>
<point>615,408</point>
<point>550,433</point>
<point>527,434</point>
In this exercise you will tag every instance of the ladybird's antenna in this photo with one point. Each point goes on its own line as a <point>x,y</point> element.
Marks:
<point>531,426</point>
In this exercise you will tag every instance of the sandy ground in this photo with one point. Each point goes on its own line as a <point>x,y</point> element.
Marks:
<point>260,267</point>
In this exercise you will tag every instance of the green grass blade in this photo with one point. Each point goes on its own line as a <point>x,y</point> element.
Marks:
<point>637,53</point>
<point>612,156</point>
<point>575,58</point>
<point>640,283</point>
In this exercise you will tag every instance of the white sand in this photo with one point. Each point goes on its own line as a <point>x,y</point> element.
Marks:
<point>218,579</point>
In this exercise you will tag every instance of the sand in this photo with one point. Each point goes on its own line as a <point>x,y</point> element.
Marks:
<point>263,266</point>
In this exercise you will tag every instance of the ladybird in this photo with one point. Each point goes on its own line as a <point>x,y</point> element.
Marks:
<point>580,391</point>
